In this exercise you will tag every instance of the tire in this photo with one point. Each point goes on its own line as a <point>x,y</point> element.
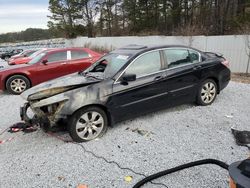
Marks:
<point>6,58</point>
<point>207,92</point>
<point>17,84</point>
<point>83,127</point>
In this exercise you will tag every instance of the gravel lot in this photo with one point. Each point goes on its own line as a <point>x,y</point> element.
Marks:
<point>177,135</point>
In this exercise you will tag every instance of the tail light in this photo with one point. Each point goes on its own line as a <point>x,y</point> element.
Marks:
<point>225,63</point>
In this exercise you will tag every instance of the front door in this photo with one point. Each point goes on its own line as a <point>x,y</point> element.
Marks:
<point>56,66</point>
<point>145,93</point>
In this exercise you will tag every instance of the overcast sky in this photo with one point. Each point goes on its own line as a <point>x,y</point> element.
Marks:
<point>18,15</point>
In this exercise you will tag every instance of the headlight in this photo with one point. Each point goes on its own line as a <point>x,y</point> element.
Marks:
<point>48,93</point>
<point>52,109</point>
<point>49,101</point>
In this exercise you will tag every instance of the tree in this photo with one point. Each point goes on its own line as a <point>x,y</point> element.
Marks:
<point>29,34</point>
<point>88,9</point>
<point>140,17</point>
<point>247,48</point>
<point>64,13</point>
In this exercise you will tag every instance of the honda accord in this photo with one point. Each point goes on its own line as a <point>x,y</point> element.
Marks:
<point>125,83</point>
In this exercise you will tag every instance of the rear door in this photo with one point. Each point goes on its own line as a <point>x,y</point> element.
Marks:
<point>145,93</point>
<point>183,74</point>
<point>79,60</point>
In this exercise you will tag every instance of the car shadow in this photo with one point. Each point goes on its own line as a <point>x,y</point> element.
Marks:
<point>4,93</point>
<point>150,115</point>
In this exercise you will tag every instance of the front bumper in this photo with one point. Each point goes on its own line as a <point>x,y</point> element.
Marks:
<point>42,120</point>
<point>23,113</point>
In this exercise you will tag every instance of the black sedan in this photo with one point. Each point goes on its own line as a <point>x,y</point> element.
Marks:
<point>7,55</point>
<point>125,83</point>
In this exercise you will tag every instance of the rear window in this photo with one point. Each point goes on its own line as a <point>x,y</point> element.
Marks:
<point>79,54</point>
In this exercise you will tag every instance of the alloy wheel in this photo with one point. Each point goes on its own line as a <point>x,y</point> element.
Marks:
<point>208,92</point>
<point>90,125</point>
<point>18,85</point>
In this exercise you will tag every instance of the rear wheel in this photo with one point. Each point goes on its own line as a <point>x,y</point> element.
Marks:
<point>88,124</point>
<point>17,84</point>
<point>207,92</point>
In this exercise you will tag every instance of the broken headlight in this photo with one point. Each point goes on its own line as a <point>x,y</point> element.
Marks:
<point>48,93</point>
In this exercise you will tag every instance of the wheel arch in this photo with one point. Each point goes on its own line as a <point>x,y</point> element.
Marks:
<point>16,74</point>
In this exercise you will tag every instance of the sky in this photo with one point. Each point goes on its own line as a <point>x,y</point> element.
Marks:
<point>18,15</point>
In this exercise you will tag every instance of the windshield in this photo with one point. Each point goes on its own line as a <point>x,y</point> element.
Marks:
<point>29,54</point>
<point>37,58</point>
<point>36,53</point>
<point>23,52</point>
<point>114,63</point>
<point>109,64</point>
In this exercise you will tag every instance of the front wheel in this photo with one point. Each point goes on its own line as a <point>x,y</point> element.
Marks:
<point>7,58</point>
<point>88,124</point>
<point>17,84</point>
<point>207,92</point>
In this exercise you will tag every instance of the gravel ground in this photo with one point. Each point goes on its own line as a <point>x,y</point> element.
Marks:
<point>176,136</point>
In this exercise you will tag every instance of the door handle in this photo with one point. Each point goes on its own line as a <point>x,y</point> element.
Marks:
<point>197,67</point>
<point>64,63</point>
<point>157,78</point>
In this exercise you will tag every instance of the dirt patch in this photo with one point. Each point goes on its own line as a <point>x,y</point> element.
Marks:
<point>241,77</point>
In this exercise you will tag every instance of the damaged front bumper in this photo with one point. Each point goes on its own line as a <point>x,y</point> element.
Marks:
<point>23,113</point>
<point>46,112</point>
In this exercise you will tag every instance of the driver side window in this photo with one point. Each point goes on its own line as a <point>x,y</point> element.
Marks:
<point>146,64</point>
<point>57,56</point>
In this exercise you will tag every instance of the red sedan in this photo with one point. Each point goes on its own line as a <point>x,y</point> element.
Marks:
<point>47,65</point>
<point>25,59</point>
<point>24,54</point>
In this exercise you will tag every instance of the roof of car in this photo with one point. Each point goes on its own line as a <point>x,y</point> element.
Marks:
<point>64,49</point>
<point>134,49</point>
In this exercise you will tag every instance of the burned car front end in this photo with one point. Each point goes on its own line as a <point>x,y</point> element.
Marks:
<point>81,100</point>
<point>46,110</point>
<point>51,102</point>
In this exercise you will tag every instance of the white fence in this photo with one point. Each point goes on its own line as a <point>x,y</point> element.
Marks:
<point>234,47</point>
<point>50,43</point>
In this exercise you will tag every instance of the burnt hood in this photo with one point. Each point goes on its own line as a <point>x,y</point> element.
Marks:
<point>59,85</point>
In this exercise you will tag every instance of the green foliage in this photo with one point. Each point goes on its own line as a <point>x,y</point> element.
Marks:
<point>72,18</point>
<point>29,34</point>
<point>64,13</point>
<point>147,17</point>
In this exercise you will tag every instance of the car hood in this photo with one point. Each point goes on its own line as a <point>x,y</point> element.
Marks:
<point>57,86</point>
<point>21,60</point>
<point>13,67</point>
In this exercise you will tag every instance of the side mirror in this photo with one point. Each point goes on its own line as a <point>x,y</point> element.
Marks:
<point>128,78</point>
<point>45,61</point>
